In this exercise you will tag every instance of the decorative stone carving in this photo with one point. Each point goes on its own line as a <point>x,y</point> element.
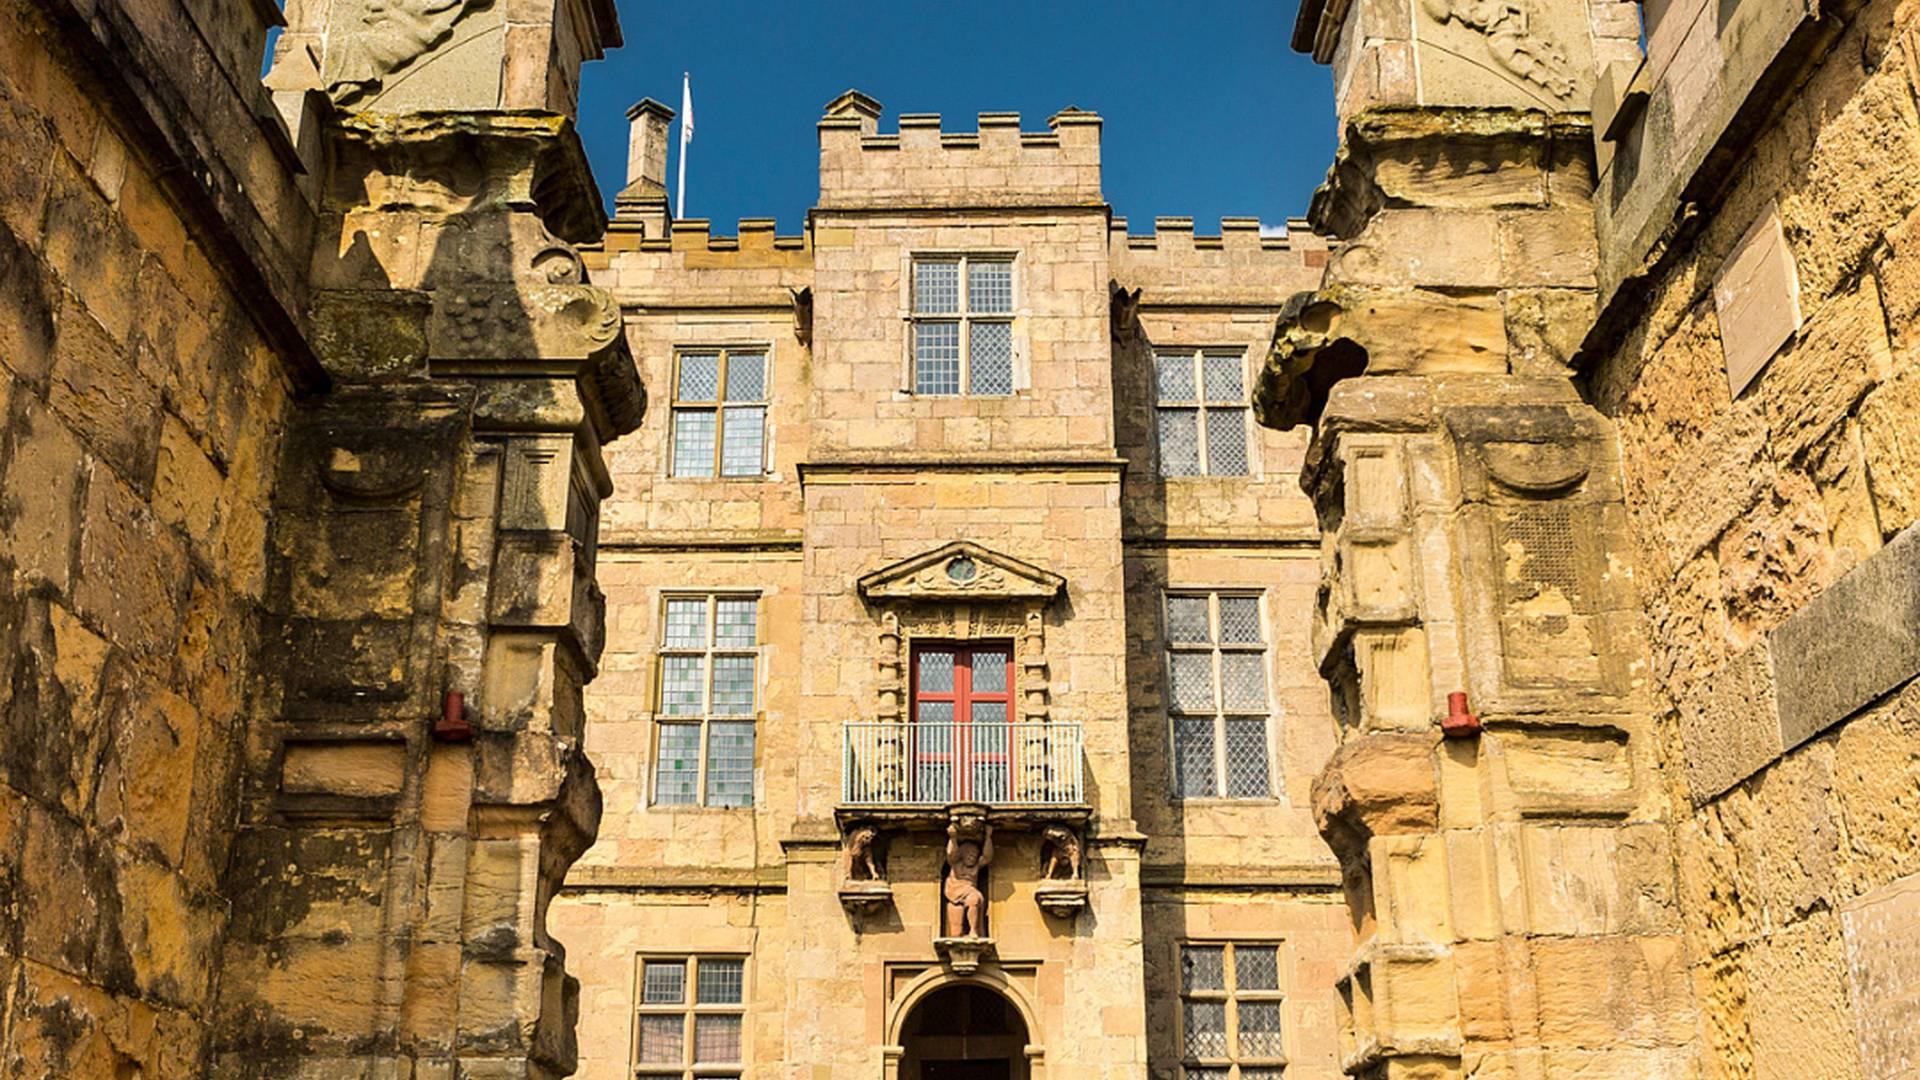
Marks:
<point>479,322</point>
<point>1508,27</point>
<point>390,35</point>
<point>863,884</point>
<point>961,571</point>
<point>1061,861</point>
<point>963,955</point>
<point>803,315</point>
<point>1123,309</point>
<point>968,854</point>
<point>1061,890</point>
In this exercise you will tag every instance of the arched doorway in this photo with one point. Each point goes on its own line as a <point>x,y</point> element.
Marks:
<point>965,1031</point>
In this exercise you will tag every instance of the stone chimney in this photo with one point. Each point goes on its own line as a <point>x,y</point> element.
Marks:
<point>644,199</point>
<point>647,148</point>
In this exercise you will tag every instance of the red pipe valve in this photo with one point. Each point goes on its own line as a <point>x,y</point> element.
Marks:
<point>1459,723</point>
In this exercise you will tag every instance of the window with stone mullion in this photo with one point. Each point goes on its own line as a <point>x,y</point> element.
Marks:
<point>1217,696</point>
<point>690,1017</point>
<point>1201,412</point>
<point>1230,1020</point>
<point>707,700</point>
<point>962,326</point>
<point>719,414</point>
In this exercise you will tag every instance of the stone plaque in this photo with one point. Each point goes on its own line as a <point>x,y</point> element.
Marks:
<point>1757,296</point>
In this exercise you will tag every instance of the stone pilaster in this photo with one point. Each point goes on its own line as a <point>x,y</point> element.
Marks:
<point>419,784</point>
<point>1503,844</point>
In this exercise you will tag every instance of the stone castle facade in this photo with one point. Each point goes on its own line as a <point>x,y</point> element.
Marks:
<point>450,632</point>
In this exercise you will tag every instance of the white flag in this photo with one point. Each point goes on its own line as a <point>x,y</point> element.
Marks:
<point>686,108</point>
<point>686,136</point>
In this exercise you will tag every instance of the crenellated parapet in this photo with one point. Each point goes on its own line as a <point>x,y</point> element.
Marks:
<point>1241,264</point>
<point>996,165</point>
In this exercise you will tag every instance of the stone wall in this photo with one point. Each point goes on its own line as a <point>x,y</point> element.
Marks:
<point>1766,394</point>
<point>144,404</point>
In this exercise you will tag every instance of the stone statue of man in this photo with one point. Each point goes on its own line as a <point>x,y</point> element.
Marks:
<point>966,904</point>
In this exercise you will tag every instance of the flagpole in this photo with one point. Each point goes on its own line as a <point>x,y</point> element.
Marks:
<point>686,114</point>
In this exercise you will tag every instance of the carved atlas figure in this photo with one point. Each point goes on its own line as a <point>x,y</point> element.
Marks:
<point>966,904</point>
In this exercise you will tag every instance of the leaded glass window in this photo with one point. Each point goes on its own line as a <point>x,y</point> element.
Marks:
<point>1230,1011</point>
<point>1217,700</point>
<point>963,325</point>
<point>1202,412</point>
<point>719,413</point>
<point>691,1014</point>
<point>709,701</point>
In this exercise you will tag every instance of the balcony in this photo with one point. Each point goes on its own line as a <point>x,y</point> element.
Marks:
<point>925,767</point>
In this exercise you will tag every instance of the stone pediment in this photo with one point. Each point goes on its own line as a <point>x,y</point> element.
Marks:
<point>961,571</point>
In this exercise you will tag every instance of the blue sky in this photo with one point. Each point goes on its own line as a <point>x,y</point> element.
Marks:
<point>1208,112</point>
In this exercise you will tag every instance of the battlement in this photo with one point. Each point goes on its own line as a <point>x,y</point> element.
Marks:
<point>696,234</point>
<point>921,166</point>
<point>1173,265</point>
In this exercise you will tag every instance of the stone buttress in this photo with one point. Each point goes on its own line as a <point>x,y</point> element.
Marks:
<point>419,786</point>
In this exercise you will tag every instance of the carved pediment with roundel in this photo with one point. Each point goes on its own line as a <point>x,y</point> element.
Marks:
<point>961,571</point>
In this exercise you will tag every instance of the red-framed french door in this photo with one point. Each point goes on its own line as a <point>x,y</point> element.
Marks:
<point>962,716</point>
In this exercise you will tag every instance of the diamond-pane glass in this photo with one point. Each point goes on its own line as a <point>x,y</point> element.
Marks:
<point>1206,1074</point>
<point>1203,967</point>
<point>716,1039</point>
<point>693,437</point>
<point>1222,379</point>
<point>734,622</point>
<point>743,450</point>
<point>1226,442</point>
<point>664,982</point>
<point>663,1040</point>
<point>1240,620</point>
<point>746,377</point>
<point>729,765</point>
<point>988,712</point>
<point>1246,764</point>
<point>733,685</point>
<point>1270,1072</point>
<point>989,673</point>
<point>1173,378</point>
<point>1256,967</point>
<point>721,981</point>
<point>935,671</point>
<point>1206,1028</point>
<point>1187,619</point>
<point>1179,431</point>
<point>936,358</point>
<point>1193,757</point>
<point>990,288</point>
<point>680,679</point>
<point>991,353</point>
<point>936,288</point>
<point>677,773</point>
<point>1191,674</point>
<point>1260,1030</point>
<point>1243,681</point>
<point>699,377</point>
<point>686,623</point>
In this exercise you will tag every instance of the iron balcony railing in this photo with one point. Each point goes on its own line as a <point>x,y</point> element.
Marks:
<point>933,764</point>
